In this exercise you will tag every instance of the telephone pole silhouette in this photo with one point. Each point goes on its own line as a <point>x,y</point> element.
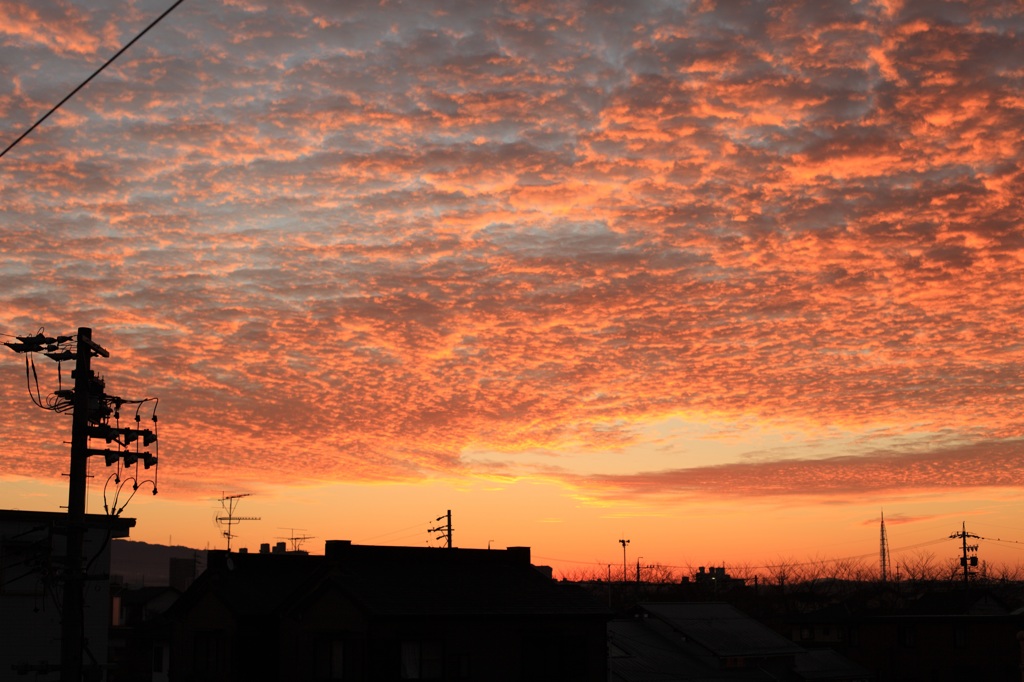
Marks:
<point>624,543</point>
<point>446,530</point>
<point>92,410</point>
<point>967,561</point>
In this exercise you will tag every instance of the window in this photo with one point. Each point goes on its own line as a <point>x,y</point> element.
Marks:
<point>209,652</point>
<point>422,660</point>
<point>458,667</point>
<point>330,659</point>
<point>337,660</point>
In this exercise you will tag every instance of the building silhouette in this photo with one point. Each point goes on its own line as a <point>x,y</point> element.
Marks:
<point>363,612</point>
<point>32,559</point>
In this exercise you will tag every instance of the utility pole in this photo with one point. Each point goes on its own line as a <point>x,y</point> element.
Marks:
<point>229,502</point>
<point>624,543</point>
<point>91,411</point>
<point>73,616</point>
<point>967,561</point>
<point>446,530</point>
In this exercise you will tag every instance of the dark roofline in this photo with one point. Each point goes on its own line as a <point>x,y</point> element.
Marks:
<point>345,553</point>
<point>344,549</point>
<point>119,526</point>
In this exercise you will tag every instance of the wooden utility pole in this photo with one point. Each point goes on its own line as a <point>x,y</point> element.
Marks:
<point>72,615</point>
<point>446,530</point>
<point>92,409</point>
<point>967,561</point>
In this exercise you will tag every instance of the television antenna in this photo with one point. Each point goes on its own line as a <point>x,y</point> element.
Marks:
<point>296,540</point>
<point>229,503</point>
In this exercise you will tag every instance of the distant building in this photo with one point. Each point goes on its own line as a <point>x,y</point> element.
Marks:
<point>715,578</point>
<point>385,613</point>
<point>32,555</point>
<point>139,650</point>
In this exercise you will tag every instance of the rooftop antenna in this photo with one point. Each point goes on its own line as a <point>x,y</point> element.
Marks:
<point>296,540</point>
<point>228,503</point>
<point>883,551</point>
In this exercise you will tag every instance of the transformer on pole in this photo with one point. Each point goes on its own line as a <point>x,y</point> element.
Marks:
<point>92,411</point>
<point>967,562</point>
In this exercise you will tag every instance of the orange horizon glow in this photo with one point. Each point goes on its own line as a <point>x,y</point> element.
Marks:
<point>729,281</point>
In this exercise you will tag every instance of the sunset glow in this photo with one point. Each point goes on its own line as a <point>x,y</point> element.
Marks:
<point>726,279</point>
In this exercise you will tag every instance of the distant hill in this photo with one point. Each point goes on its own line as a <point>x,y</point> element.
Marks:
<point>141,564</point>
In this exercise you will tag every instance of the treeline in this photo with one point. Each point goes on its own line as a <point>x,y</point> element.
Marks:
<point>920,567</point>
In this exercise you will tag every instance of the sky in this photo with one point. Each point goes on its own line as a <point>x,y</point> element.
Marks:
<point>729,280</point>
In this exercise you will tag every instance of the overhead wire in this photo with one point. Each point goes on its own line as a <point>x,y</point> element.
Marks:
<point>395,532</point>
<point>86,81</point>
<point>1020,544</point>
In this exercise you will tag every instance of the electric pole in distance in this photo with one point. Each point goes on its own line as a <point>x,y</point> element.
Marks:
<point>91,410</point>
<point>446,531</point>
<point>967,561</point>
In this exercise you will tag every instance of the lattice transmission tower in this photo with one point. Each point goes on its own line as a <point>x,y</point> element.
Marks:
<point>883,551</point>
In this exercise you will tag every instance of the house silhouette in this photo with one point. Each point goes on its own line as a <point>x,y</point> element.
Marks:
<point>364,612</point>
<point>32,558</point>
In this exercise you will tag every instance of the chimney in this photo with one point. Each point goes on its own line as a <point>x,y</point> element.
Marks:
<point>336,548</point>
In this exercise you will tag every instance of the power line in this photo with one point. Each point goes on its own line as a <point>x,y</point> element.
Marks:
<point>395,532</point>
<point>86,81</point>
<point>1004,542</point>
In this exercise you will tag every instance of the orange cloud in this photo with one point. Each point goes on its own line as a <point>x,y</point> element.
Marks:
<point>342,242</point>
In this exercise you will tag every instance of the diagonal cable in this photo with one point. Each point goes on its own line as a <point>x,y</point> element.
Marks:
<point>86,81</point>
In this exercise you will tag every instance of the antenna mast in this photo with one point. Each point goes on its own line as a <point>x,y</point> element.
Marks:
<point>296,540</point>
<point>883,551</point>
<point>229,502</point>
